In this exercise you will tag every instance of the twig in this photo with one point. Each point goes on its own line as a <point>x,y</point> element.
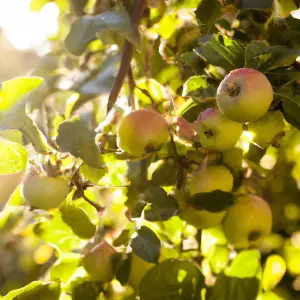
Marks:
<point>126,57</point>
<point>180,175</point>
<point>98,207</point>
<point>132,85</point>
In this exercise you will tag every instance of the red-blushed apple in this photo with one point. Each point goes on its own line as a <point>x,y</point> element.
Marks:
<point>216,131</point>
<point>142,131</point>
<point>244,95</point>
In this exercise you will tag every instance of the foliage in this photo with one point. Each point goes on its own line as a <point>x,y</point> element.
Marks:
<point>111,57</point>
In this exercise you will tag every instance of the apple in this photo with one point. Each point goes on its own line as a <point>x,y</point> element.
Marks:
<point>8,183</point>
<point>205,181</point>
<point>266,128</point>
<point>247,221</point>
<point>142,131</point>
<point>138,269</point>
<point>99,262</point>
<point>216,131</point>
<point>244,95</point>
<point>44,192</point>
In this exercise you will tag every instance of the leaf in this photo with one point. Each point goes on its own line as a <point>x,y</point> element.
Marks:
<point>257,4</point>
<point>13,157</point>
<point>222,51</point>
<point>228,288</point>
<point>64,268</point>
<point>290,104</point>
<point>256,54</point>
<point>281,56</point>
<point>75,137</point>
<point>172,280</point>
<point>215,201</point>
<point>245,265</point>
<point>199,88</point>
<point>162,206</point>
<point>36,290</point>
<point>14,95</point>
<point>146,245</point>
<point>85,288</point>
<point>84,30</point>
<point>78,220</point>
<point>123,238</point>
<point>13,91</point>
<point>92,174</point>
<point>291,111</point>
<point>239,279</point>
<point>207,14</point>
<point>57,233</point>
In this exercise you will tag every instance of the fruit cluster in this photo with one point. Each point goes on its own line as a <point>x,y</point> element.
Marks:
<point>243,100</point>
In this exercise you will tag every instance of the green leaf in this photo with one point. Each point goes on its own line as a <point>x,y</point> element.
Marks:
<point>13,157</point>
<point>245,265</point>
<point>257,4</point>
<point>146,245</point>
<point>13,91</point>
<point>222,51</point>
<point>65,267</point>
<point>162,206</point>
<point>172,280</point>
<point>12,135</point>
<point>239,281</point>
<point>123,238</point>
<point>228,288</point>
<point>75,137</point>
<point>281,56</point>
<point>199,88</point>
<point>57,233</point>
<point>85,288</point>
<point>215,201</point>
<point>84,30</point>
<point>207,14</point>
<point>78,220</point>
<point>92,174</point>
<point>36,290</point>
<point>256,54</point>
<point>14,95</point>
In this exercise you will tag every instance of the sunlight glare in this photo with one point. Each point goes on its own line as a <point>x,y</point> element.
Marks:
<point>25,29</point>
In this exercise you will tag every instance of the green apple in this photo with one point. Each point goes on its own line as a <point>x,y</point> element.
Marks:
<point>44,192</point>
<point>244,95</point>
<point>142,131</point>
<point>216,131</point>
<point>274,270</point>
<point>99,262</point>
<point>138,269</point>
<point>266,128</point>
<point>8,183</point>
<point>205,181</point>
<point>247,221</point>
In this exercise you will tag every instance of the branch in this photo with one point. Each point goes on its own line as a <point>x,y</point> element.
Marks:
<point>132,85</point>
<point>126,56</point>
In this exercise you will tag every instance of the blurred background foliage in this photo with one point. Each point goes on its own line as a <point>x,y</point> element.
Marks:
<point>183,51</point>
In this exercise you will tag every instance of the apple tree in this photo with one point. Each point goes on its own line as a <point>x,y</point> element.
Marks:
<point>154,154</point>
